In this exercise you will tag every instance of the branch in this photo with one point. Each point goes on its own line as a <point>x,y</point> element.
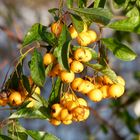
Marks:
<point>116,134</point>
<point>10,34</point>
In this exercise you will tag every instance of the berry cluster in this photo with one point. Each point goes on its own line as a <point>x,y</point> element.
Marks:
<point>70,108</point>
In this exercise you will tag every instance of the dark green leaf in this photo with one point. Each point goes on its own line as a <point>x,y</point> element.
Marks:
<point>3,137</point>
<point>99,3</point>
<point>130,24</point>
<point>33,34</point>
<point>69,3</point>
<point>120,50</point>
<point>55,93</point>
<point>37,69</point>
<point>82,3</point>
<point>26,83</point>
<point>63,48</point>
<point>77,23</point>
<point>104,70</point>
<point>41,135</point>
<point>104,128</point>
<point>48,37</point>
<point>90,15</point>
<point>119,2</point>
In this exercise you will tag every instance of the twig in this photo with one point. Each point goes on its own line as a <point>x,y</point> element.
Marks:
<point>118,137</point>
<point>10,34</point>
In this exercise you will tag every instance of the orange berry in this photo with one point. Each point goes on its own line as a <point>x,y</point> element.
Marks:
<point>54,122</point>
<point>104,90</point>
<point>107,80</point>
<point>66,76</point>
<point>95,95</point>
<point>76,84</point>
<point>76,66</point>
<point>116,90</point>
<point>120,80</point>
<point>56,28</point>
<point>67,122</point>
<point>48,59</point>
<point>56,109</point>
<point>65,115</point>
<point>15,98</point>
<point>93,36</point>
<point>73,32</point>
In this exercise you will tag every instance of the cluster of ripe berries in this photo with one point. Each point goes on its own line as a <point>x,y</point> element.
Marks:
<point>70,108</point>
<point>16,98</point>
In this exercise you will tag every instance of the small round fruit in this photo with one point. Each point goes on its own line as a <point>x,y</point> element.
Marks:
<point>88,56</point>
<point>120,80</point>
<point>107,80</point>
<point>70,60</point>
<point>104,90</point>
<point>76,66</point>
<point>93,35</point>
<point>65,115</point>
<point>88,86</point>
<point>54,122</point>
<point>79,54</point>
<point>95,95</point>
<point>56,28</point>
<point>116,90</point>
<point>3,102</point>
<point>66,76</point>
<point>73,32</point>
<point>71,105</point>
<point>67,122</point>
<point>56,109</point>
<point>15,98</point>
<point>31,103</point>
<point>82,102</point>
<point>80,114</point>
<point>83,39</point>
<point>76,83</point>
<point>37,90</point>
<point>48,59</point>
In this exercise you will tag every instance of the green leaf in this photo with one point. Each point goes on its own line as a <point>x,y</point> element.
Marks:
<point>41,135</point>
<point>48,37</point>
<point>37,69</point>
<point>99,3</point>
<point>3,137</point>
<point>120,50</point>
<point>104,70</point>
<point>69,3</point>
<point>26,83</point>
<point>77,23</point>
<point>63,48</point>
<point>33,34</point>
<point>55,93</point>
<point>130,24</point>
<point>90,15</point>
<point>119,2</point>
<point>82,3</point>
<point>48,69</point>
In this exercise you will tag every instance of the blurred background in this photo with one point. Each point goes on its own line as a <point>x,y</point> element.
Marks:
<point>115,119</point>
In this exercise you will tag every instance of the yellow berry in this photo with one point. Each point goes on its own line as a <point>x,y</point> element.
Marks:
<point>76,67</point>
<point>48,59</point>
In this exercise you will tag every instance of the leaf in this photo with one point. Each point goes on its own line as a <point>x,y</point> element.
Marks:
<point>119,2</point>
<point>48,37</point>
<point>37,68</point>
<point>130,24</point>
<point>90,15</point>
<point>55,93</point>
<point>104,70</point>
<point>82,3</point>
<point>69,3</point>
<point>63,48</point>
<point>99,3</point>
<point>48,69</point>
<point>77,23</point>
<point>120,50</point>
<point>26,83</point>
<point>32,35</point>
<point>3,137</point>
<point>41,135</point>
